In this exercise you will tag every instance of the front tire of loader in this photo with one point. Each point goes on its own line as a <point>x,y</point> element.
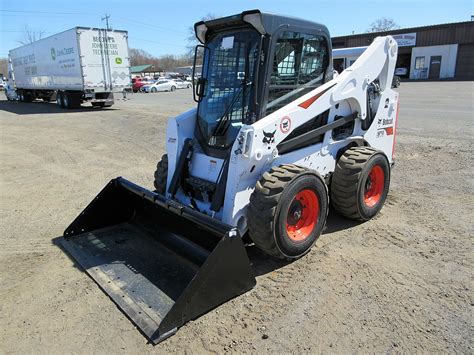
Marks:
<point>287,211</point>
<point>360,183</point>
<point>161,175</point>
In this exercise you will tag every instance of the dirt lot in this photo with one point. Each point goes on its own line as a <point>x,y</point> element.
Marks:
<point>402,282</point>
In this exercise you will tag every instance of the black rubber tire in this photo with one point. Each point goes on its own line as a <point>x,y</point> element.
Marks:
<point>153,90</point>
<point>269,206</point>
<point>173,88</point>
<point>28,97</point>
<point>66,100</point>
<point>60,99</point>
<point>75,99</point>
<point>349,181</point>
<point>161,175</point>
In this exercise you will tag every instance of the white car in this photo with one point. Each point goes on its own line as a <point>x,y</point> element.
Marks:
<point>159,85</point>
<point>181,84</point>
<point>401,71</point>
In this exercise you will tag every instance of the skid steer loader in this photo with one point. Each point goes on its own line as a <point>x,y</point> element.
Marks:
<point>274,139</point>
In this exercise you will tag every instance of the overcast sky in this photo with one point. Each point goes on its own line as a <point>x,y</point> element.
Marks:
<point>161,27</point>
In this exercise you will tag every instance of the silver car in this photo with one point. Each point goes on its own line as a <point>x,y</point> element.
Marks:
<point>160,85</point>
<point>181,84</point>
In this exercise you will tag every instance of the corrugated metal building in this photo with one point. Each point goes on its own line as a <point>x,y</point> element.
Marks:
<point>443,51</point>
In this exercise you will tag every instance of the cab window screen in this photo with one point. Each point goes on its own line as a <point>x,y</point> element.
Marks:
<point>299,65</point>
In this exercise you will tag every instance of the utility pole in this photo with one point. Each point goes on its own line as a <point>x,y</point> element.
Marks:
<point>106,18</point>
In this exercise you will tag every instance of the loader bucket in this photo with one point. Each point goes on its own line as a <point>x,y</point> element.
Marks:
<point>162,263</point>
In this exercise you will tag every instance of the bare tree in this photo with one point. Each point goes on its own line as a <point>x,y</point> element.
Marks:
<point>140,57</point>
<point>192,40</point>
<point>383,24</point>
<point>30,36</point>
<point>168,62</point>
<point>3,67</point>
<point>163,63</point>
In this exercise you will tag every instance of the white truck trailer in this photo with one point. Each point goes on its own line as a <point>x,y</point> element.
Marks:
<point>78,65</point>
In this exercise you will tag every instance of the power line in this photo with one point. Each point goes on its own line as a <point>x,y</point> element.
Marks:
<point>147,40</point>
<point>2,31</point>
<point>46,12</point>
<point>123,19</point>
<point>149,25</point>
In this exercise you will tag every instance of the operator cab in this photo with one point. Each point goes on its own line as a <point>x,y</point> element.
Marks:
<point>253,64</point>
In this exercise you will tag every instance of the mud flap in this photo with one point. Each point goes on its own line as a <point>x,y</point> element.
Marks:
<point>162,263</point>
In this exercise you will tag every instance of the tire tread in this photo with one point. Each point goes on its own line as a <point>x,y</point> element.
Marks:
<point>161,175</point>
<point>345,180</point>
<point>263,205</point>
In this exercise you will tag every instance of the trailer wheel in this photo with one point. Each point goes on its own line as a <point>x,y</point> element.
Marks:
<point>66,100</point>
<point>161,175</point>
<point>360,183</point>
<point>287,211</point>
<point>60,99</point>
<point>72,100</point>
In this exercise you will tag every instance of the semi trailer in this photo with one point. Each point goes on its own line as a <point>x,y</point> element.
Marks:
<point>75,66</point>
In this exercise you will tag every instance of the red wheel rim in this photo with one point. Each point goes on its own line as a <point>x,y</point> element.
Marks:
<point>374,186</point>
<point>302,215</point>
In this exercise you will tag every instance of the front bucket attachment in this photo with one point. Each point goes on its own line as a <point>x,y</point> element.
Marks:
<point>162,263</point>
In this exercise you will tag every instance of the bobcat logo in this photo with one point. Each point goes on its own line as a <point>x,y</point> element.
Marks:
<point>285,125</point>
<point>269,137</point>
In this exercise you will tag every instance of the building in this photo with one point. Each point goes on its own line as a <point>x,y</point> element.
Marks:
<point>187,70</point>
<point>443,51</point>
<point>145,70</point>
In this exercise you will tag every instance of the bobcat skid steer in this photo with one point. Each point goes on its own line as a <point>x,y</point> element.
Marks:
<point>273,140</point>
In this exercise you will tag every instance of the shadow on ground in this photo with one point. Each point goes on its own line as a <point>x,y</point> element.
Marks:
<point>34,108</point>
<point>261,262</point>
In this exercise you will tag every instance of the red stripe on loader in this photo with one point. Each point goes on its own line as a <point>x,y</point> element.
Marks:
<point>309,102</point>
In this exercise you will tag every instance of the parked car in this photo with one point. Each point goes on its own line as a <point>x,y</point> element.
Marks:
<point>160,85</point>
<point>401,71</point>
<point>181,84</point>
<point>137,83</point>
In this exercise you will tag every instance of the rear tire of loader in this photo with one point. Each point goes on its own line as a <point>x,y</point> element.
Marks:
<point>360,183</point>
<point>287,211</point>
<point>161,175</point>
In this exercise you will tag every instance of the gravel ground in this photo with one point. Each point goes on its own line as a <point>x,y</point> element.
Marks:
<point>401,282</point>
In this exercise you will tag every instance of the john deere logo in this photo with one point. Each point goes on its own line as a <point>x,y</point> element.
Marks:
<point>118,60</point>
<point>53,53</point>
